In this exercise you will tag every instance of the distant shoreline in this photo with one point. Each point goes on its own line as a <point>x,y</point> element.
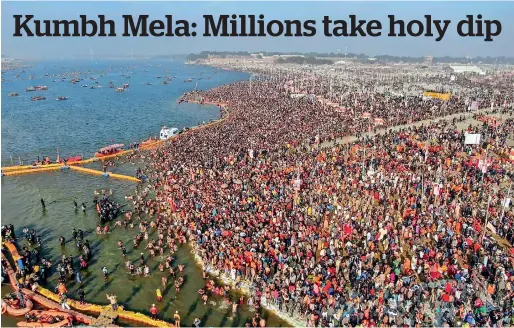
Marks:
<point>11,65</point>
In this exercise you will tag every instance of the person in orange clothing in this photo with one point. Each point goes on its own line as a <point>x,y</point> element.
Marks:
<point>61,288</point>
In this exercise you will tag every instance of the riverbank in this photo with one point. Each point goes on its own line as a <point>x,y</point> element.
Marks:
<point>12,65</point>
<point>244,288</point>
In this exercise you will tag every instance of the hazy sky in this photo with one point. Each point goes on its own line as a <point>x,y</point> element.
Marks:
<point>451,45</point>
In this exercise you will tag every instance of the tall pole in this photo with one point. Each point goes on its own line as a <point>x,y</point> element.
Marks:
<point>363,161</point>
<point>486,219</point>
<point>504,200</point>
<point>422,188</point>
<point>423,174</point>
<point>484,168</point>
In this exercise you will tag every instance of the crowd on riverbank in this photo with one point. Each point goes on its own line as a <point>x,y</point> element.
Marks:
<point>387,230</point>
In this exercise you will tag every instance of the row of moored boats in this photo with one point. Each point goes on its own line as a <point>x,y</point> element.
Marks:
<point>75,80</point>
<point>36,88</point>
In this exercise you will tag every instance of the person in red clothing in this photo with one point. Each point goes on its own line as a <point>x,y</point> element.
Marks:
<point>154,311</point>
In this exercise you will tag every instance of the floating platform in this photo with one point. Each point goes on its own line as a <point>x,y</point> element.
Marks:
<point>105,174</point>
<point>29,167</point>
<point>33,169</point>
<point>73,168</point>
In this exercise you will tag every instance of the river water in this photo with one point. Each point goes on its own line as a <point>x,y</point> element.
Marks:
<point>88,120</point>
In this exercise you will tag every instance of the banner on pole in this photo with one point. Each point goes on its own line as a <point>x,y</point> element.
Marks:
<point>472,139</point>
<point>437,95</point>
<point>506,202</point>
<point>378,121</point>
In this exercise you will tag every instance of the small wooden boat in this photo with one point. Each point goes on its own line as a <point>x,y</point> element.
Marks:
<point>62,98</point>
<point>35,98</point>
<point>50,318</point>
<point>74,159</point>
<point>109,150</point>
<point>13,94</point>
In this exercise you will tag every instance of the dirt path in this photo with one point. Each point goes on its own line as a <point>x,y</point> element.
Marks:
<point>469,120</point>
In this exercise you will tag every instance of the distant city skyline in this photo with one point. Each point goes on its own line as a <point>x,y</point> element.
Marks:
<point>69,47</point>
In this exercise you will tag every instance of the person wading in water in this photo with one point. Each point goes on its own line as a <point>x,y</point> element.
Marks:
<point>114,301</point>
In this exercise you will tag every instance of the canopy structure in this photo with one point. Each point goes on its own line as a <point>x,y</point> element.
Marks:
<point>111,147</point>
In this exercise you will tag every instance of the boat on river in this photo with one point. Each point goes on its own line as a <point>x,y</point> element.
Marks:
<point>74,159</point>
<point>29,89</point>
<point>13,94</point>
<point>109,150</point>
<point>167,133</point>
<point>120,90</point>
<point>62,98</point>
<point>41,87</point>
<point>36,98</point>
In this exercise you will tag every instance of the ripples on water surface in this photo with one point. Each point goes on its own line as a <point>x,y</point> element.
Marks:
<point>90,118</point>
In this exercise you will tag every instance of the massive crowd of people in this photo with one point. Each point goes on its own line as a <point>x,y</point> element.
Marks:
<point>407,226</point>
<point>387,230</point>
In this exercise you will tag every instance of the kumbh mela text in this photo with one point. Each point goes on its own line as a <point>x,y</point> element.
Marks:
<point>252,26</point>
